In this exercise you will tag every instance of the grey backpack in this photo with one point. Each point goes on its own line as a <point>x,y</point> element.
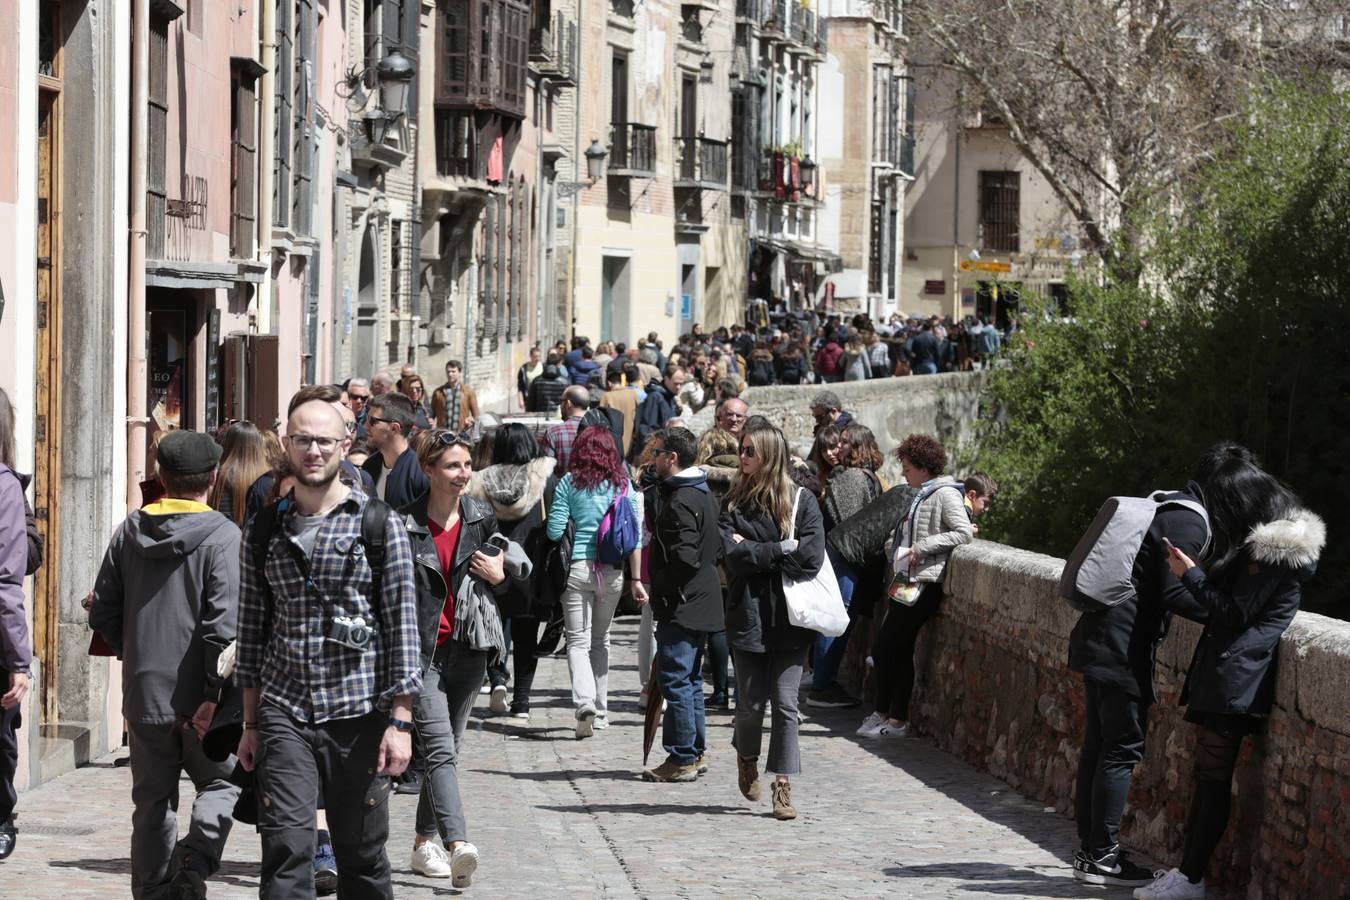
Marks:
<point>1098,573</point>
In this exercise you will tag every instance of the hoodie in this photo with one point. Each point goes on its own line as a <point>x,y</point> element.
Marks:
<point>167,601</point>
<point>16,652</point>
<point>1247,609</point>
<point>685,550</point>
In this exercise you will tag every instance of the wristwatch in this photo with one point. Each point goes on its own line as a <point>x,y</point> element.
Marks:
<point>400,724</point>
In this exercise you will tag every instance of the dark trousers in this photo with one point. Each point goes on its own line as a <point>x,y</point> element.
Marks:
<point>1112,747</point>
<point>10,721</point>
<point>893,653</point>
<point>299,762</point>
<point>719,656</point>
<point>1216,754</point>
<point>525,656</point>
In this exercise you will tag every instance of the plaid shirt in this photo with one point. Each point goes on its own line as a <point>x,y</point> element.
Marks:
<point>289,658</point>
<point>558,441</point>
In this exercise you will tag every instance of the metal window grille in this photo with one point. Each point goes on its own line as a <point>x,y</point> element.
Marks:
<point>1000,202</point>
<point>396,255</point>
<point>876,240</point>
<point>156,189</point>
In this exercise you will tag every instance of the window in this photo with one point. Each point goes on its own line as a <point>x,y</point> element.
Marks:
<point>302,196</point>
<point>876,243</point>
<point>156,189</point>
<point>618,88</point>
<point>373,31</point>
<point>282,102</point>
<point>243,165</point>
<point>1000,203</point>
<point>483,50</point>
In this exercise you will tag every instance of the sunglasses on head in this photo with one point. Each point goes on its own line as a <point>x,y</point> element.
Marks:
<point>450,438</point>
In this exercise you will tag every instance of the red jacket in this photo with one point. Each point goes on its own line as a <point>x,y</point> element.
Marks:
<point>827,359</point>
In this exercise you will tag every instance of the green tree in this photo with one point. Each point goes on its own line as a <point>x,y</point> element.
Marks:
<point>1243,337</point>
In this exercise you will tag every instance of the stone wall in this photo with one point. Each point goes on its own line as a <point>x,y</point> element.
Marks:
<point>945,406</point>
<point>994,688</point>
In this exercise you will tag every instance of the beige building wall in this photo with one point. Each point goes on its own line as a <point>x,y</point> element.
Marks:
<point>942,211</point>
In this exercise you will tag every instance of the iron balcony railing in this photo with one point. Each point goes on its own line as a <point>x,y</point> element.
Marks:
<point>632,149</point>
<point>700,161</point>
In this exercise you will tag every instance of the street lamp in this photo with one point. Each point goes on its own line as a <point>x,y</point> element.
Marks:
<point>396,73</point>
<point>595,170</point>
<point>807,169</point>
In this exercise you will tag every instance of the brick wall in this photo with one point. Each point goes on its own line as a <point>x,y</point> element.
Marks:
<point>994,688</point>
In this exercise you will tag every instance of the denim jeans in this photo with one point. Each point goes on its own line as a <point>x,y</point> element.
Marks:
<point>588,606</point>
<point>449,687</point>
<point>830,650</point>
<point>1113,746</point>
<point>679,662</point>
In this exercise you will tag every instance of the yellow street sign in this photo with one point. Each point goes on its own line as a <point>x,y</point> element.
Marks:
<point>968,265</point>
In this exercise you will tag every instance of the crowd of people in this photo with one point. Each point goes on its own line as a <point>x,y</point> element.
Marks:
<point>307,620</point>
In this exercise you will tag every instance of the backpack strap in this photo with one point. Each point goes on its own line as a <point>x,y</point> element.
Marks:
<point>260,542</point>
<point>374,525</point>
<point>1158,498</point>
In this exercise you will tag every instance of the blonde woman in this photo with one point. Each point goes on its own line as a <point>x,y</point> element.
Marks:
<point>245,455</point>
<point>770,651</point>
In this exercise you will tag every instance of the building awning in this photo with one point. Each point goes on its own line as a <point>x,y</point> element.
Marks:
<point>825,259</point>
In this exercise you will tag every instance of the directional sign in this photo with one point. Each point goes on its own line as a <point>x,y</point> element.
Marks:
<point>968,265</point>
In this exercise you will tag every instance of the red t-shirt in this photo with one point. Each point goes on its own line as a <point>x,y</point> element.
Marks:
<point>446,542</point>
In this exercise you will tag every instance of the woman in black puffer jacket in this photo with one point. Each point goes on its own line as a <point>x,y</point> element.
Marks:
<point>1265,546</point>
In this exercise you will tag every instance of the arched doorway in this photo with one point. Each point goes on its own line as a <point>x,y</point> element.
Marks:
<point>365,349</point>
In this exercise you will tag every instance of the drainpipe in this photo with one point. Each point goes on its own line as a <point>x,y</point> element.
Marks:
<point>577,172</point>
<point>138,419</point>
<point>956,222</point>
<point>267,47</point>
<point>542,220</point>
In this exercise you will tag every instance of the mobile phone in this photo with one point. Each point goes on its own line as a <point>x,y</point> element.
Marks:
<point>490,549</point>
<point>1168,545</point>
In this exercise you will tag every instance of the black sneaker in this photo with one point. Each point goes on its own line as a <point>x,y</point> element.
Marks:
<point>832,697</point>
<point>1110,867</point>
<point>9,837</point>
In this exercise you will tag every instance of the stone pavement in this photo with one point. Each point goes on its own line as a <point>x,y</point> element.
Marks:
<point>557,817</point>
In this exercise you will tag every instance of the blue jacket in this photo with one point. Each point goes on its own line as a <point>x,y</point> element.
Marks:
<point>406,480</point>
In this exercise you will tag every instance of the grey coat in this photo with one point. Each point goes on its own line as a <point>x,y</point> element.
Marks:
<point>167,600</point>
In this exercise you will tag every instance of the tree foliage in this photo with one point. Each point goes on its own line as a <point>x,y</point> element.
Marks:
<point>1245,338</point>
<point>1117,102</point>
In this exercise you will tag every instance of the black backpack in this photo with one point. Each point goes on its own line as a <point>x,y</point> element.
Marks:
<point>374,522</point>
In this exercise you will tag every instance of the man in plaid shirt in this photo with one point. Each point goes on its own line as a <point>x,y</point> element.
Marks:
<point>333,721</point>
<point>557,441</point>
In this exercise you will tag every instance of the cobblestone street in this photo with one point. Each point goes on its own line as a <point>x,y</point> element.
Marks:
<point>556,817</point>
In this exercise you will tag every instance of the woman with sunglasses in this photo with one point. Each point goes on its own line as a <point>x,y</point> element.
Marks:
<point>449,533</point>
<point>595,476</point>
<point>771,529</point>
<point>417,393</point>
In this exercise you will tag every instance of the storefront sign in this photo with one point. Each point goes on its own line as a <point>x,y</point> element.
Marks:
<point>213,369</point>
<point>983,266</point>
<point>935,286</point>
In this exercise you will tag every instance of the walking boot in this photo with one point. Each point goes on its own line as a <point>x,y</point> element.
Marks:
<point>782,801</point>
<point>9,836</point>
<point>747,776</point>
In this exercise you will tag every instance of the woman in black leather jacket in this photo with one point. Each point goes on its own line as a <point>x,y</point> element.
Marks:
<point>1265,546</point>
<point>449,532</point>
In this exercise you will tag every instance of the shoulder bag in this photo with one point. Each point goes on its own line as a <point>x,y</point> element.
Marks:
<point>815,602</point>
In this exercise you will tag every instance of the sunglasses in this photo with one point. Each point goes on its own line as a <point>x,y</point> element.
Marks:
<point>748,451</point>
<point>451,438</point>
<point>378,419</point>
<point>657,451</point>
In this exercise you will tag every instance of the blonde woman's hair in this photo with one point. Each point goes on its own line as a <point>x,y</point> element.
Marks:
<point>770,489</point>
<point>716,442</point>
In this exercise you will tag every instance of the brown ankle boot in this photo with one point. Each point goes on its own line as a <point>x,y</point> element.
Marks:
<point>747,776</point>
<point>782,801</point>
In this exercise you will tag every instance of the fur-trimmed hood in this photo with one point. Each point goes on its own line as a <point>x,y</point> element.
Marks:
<point>1294,541</point>
<point>512,490</point>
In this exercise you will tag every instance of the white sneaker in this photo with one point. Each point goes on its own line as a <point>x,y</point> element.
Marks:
<point>585,721</point>
<point>463,863</point>
<point>871,726</point>
<point>498,703</point>
<point>893,731</point>
<point>1171,885</point>
<point>601,721</point>
<point>430,860</point>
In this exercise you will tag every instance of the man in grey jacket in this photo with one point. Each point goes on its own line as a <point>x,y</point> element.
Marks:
<point>166,600</point>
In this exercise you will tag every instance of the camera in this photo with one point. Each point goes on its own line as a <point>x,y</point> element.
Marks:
<point>350,631</point>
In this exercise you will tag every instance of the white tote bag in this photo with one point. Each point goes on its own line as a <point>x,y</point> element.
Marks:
<point>815,603</point>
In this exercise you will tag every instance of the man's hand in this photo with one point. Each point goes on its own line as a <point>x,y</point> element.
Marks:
<point>640,593</point>
<point>467,423</point>
<point>395,752</point>
<point>248,749</point>
<point>201,719</point>
<point>18,689</point>
<point>491,569</point>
